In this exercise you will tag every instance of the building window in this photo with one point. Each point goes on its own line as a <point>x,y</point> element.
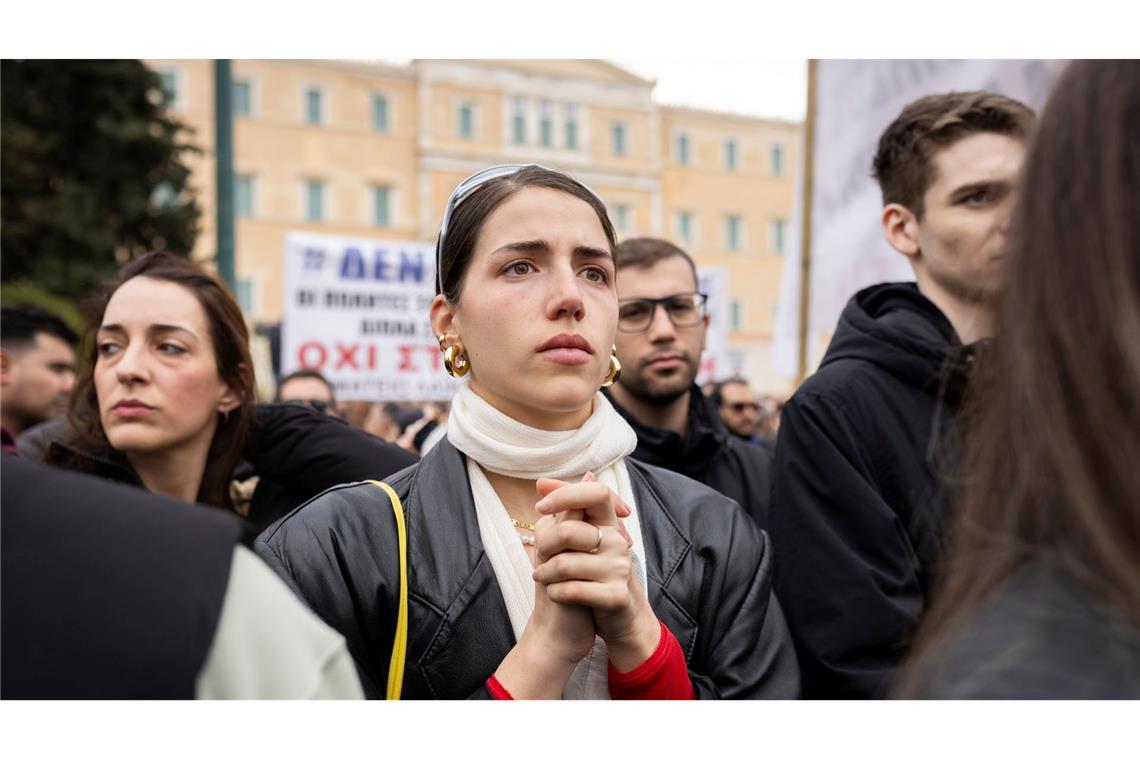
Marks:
<point>730,154</point>
<point>382,206</point>
<point>571,126</point>
<point>617,135</point>
<point>243,195</point>
<point>244,293</point>
<point>545,124</point>
<point>777,159</point>
<point>777,232</point>
<point>168,81</point>
<point>466,118</point>
<point>380,113</point>
<point>621,218</point>
<point>314,105</point>
<point>243,100</point>
<point>684,221</point>
<point>732,232</point>
<point>735,314</point>
<point>314,200</point>
<point>681,150</point>
<point>518,120</point>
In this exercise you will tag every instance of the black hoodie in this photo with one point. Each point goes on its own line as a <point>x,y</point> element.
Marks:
<point>708,453</point>
<point>866,447</point>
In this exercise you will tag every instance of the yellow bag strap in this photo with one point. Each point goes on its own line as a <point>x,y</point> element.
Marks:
<point>400,640</point>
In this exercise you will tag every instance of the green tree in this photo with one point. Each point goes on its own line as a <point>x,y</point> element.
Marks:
<point>92,172</point>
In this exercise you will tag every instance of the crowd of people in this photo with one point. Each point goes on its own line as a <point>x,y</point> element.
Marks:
<point>947,507</point>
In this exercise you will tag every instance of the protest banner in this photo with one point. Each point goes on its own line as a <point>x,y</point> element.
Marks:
<point>356,310</point>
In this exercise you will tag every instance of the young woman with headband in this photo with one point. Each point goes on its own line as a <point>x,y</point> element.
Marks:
<point>542,561</point>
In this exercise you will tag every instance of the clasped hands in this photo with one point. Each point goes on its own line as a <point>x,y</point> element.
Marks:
<point>583,567</point>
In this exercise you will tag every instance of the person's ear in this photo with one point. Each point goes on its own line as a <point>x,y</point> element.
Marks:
<point>705,332</point>
<point>231,397</point>
<point>900,227</point>
<point>442,316</point>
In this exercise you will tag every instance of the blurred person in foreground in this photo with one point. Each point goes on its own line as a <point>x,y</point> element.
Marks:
<point>1041,598</point>
<point>859,504</point>
<point>544,562</point>
<point>166,402</point>
<point>308,387</point>
<point>110,592</point>
<point>37,369</point>
<point>738,408</point>
<point>662,324</point>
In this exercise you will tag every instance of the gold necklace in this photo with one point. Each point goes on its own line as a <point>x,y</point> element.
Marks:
<point>523,525</point>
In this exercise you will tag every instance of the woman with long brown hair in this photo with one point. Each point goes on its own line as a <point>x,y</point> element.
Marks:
<point>1042,593</point>
<point>167,401</point>
<point>167,396</point>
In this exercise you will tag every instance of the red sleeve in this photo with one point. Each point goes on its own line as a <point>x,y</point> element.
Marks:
<point>664,675</point>
<point>497,690</point>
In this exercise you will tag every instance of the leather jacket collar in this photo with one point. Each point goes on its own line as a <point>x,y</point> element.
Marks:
<point>454,590</point>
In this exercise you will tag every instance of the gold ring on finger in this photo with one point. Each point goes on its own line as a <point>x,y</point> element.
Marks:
<point>599,544</point>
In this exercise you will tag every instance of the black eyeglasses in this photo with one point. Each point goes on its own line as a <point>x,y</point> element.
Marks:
<point>470,185</point>
<point>684,310</point>
<point>740,406</point>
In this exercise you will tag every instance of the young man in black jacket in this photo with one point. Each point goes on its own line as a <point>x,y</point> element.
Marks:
<point>660,351</point>
<point>867,443</point>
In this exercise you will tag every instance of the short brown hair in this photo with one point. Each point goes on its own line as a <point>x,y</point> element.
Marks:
<point>902,164</point>
<point>644,252</point>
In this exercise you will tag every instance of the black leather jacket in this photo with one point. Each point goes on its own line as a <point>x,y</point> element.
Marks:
<point>708,568</point>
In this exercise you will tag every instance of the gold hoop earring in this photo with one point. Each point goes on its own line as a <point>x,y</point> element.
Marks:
<point>615,370</point>
<point>455,362</point>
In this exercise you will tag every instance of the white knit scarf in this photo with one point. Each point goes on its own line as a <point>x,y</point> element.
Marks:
<point>503,445</point>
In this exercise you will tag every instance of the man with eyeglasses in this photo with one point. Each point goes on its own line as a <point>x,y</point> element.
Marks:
<point>662,321</point>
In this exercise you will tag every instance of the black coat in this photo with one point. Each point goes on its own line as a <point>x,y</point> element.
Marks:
<point>1041,634</point>
<point>108,592</point>
<point>296,451</point>
<point>858,505</point>
<point>708,453</point>
<point>299,452</point>
<point>708,571</point>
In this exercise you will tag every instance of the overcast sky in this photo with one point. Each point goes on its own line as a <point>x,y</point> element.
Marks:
<point>775,88</point>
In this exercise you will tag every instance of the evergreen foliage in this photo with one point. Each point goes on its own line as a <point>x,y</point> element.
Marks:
<point>93,172</point>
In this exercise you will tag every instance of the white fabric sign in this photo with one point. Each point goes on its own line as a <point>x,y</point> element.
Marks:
<point>856,100</point>
<point>356,310</point>
<point>715,361</point>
